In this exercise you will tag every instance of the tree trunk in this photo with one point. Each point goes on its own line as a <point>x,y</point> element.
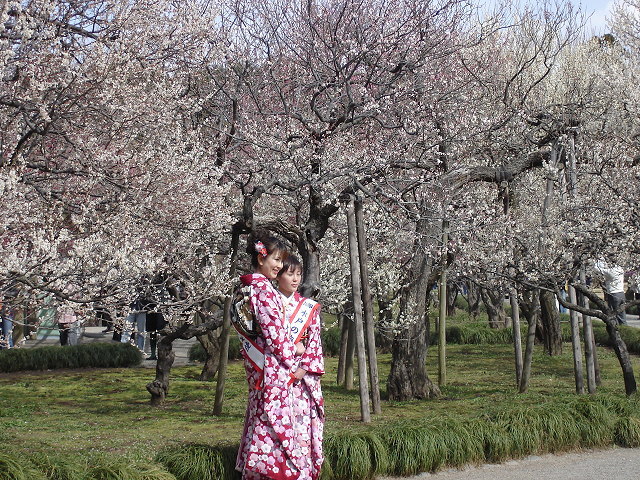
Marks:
<point>452,295</point>
<point>494,302</point>
<point>224,357</point>
<point>588,333</point>
<point>442,323</point>
<point>408,378</point>
<point>442,330</point>
<point>550,321</point>
<point>211,344</point>
<point>623,356</point>
<point>473,299</point>
<point>531,313</point>
<point>311,265</point>
<point>160,386</point>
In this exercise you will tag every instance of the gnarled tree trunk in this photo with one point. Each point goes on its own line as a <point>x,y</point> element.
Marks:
<point>549,329</point>
<point>494,302</point>
<point>211,344</point>
<point>408,378</point>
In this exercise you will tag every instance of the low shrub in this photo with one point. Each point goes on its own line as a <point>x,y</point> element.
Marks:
<point>197,353</point>
<point>331,341</point>
<point>630,336</point>
<point>474,334</point>
<point>92,355</point>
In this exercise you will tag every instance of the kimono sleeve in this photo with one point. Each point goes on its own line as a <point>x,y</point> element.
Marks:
<point>270,318</point>
<point>312,359</point>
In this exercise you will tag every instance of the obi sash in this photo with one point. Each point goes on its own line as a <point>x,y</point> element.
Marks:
<point>296,329</point>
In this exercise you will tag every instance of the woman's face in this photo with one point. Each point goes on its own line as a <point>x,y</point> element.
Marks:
<point>289,281</point>
<point>270,265</point>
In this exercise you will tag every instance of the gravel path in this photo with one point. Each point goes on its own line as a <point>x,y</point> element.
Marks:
<point>614,464</point>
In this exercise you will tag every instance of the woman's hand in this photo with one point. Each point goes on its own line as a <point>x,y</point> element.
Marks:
<point>300,372</point>
<point>299,348</point>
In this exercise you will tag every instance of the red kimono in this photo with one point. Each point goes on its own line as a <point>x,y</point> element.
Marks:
<point>282,438</point>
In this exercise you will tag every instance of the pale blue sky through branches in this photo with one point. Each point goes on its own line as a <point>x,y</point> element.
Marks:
<point>599,10</point>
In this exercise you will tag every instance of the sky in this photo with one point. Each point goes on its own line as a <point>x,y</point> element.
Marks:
<point>598,9</point>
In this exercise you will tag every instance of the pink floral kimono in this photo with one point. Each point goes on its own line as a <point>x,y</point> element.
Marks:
<point>282,438</point>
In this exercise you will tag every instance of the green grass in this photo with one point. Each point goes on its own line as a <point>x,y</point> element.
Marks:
<point>104,414</point>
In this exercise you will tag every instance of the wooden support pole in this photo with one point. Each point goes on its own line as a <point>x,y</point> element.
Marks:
<point>367,303</point>
<point>356,289</point>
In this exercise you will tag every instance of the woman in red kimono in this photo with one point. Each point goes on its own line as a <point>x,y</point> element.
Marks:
<point>270,447</point>
<point>302,317</point>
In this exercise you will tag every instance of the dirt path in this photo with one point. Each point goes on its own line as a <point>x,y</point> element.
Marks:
<point>614,464</point>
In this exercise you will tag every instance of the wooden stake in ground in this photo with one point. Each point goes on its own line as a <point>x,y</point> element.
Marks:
<point>517,341</point>
<point>356,288</point>
<point>368,307</point>
<point>575,342</point>
<point>593,368</point>
<point>351,348</point>
<point>442,323</point>
<point>342,354</point>
<point>589,344</point>
<point>226,329</point>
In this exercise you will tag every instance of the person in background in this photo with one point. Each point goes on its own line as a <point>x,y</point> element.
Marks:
<point>69,325</point>
<point>613,286</point>
<point>6,316</point>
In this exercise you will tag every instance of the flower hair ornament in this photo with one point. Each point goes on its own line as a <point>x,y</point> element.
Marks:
<point>261,249</point>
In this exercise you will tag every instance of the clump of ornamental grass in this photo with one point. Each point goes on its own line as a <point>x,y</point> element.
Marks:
<point>560,428</point>
<point>413,449</point>
<point>326,473</point>
<point>59,467</point>
<point>104,467</point>
<point>15,468</point>
<point>380,462</point>
<point>459,445</point>
<point>627,432</point>
<point>595,422</point>
<point>618,405</point>
<point>355,457</point>
<point>202,462</point>
<point>496,441</point>
<point>523,427</point>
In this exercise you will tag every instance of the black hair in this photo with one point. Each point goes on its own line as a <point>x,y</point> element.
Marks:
<point>289,264</point>
<point>271,243</point>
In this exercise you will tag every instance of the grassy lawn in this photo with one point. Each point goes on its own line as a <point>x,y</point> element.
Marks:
<point>108,411</point>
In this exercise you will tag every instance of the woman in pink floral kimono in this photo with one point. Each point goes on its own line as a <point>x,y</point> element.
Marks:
<point>276,441</point>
